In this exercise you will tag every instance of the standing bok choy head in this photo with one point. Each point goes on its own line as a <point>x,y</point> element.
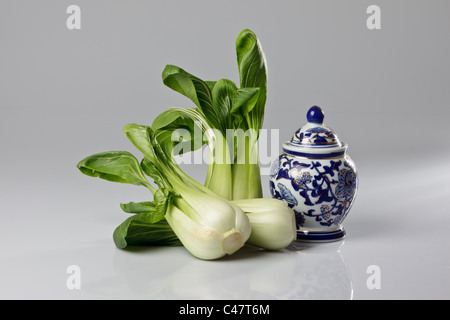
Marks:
<point>207,225</point>
<point>233,169</point>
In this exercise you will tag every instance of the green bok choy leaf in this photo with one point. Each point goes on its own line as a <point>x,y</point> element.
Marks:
<point>237,112</point>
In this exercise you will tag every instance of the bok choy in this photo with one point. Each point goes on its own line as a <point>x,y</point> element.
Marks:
<point>207,225</point>
<point>236,113</point>
<point>272,221</point>
<point>217,217</point>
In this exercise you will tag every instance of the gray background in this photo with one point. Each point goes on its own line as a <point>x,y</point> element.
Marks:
<point>67,94</point>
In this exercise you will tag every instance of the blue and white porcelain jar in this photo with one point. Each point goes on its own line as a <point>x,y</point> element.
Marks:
<point>317,179</point>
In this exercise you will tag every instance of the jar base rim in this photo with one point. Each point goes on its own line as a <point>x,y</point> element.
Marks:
<point>320,236</point>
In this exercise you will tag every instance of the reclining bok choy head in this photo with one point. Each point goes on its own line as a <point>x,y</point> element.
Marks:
<point>272,221</point>
<point>207,225</point>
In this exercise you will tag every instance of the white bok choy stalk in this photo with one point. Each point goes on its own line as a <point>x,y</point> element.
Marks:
<point>208,226</point>
<point>185,130</point>
<point>272,221</point>
<point>217,229</point>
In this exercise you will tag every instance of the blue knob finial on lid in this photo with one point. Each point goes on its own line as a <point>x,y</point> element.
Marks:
<point>315,115</point>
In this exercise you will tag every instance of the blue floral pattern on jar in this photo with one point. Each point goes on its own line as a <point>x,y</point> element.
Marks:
<point>315,136</point>
<point>346,184</point>
<point>320,190</point>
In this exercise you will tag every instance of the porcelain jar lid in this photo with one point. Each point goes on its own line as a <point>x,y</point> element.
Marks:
<point>315,140</point>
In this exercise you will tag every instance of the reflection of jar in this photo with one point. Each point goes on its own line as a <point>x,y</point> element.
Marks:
<point>321,272</point>
<point>316,178</point>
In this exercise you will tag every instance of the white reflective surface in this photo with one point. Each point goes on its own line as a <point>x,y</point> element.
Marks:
<point>407,242</point>
<point>66,94</point>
